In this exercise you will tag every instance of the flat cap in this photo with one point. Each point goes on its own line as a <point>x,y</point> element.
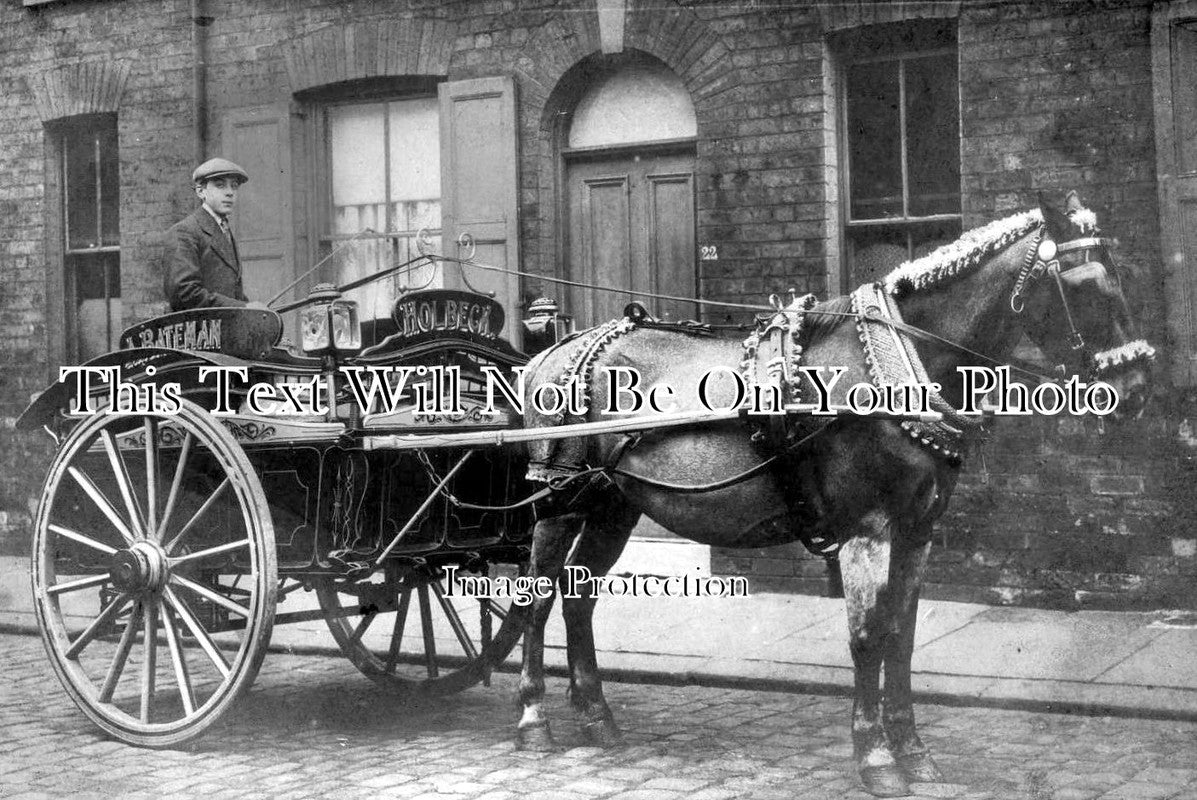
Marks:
<point>217,167</point>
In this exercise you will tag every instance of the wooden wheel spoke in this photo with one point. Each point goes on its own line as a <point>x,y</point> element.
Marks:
<point>454,618</point>
<point>102,503</point>
<point>93,630</point>
<point>151,477</point>
<point>81,539</point>
<point>169,546</point>
<point>77,584</point>
<point>397,633</point>
<point>496,609</point>
<point>197,630</point>
<point>363,624</point>
<point>121,656</point>
<point>179,659</point>
<point>426,625</point>
<point>173,496</point>
<point>123,482</point>
<point>210,595</point>
<point>211,551</point>
<point>150,663</point>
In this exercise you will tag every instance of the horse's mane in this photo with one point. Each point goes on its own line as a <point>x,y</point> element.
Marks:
<point>963,254</point>
<point>819,325</point>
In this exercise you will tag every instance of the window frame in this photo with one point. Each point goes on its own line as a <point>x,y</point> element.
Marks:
<point>63,278</point>
<point>325,212</point>
<point>907,224</point>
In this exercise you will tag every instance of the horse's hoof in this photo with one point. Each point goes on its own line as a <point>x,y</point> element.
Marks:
<point>535,738</point>
<point>920,768</point>
<point>602,733</point>
<point>884,781</point>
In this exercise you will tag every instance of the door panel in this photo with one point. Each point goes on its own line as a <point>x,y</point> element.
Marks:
<point>631,226</point>
<point>602,248</point>
<point>671,242</point>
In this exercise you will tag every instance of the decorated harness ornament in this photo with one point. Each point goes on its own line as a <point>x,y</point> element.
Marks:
<point>1043,258</point>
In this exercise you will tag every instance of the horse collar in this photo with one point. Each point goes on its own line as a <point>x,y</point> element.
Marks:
<point>893,360</point>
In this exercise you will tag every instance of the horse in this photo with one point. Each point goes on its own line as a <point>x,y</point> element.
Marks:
<point>866,488</point>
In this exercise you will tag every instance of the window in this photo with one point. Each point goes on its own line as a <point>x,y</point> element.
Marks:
<point>384,188</point>
<point>90,181</point>
<point>901,123</point>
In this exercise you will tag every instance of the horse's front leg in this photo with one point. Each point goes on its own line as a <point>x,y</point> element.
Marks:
<point>908,561</point>
<point>597,551</point>
<point>865,563</point>
<point>551,539</point>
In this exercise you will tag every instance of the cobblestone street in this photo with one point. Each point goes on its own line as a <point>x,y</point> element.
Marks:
<point>313,727</point>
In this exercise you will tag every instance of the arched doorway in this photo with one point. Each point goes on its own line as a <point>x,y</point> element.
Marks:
<point>629,190</point>
<point>628,152</point>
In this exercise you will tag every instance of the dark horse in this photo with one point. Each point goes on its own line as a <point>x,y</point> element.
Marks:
<point>871,486</point>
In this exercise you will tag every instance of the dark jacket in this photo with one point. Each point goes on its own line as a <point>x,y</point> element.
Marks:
<point>202,267</point>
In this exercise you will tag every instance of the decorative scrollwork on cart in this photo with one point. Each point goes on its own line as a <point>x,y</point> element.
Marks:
<point>250,431</point>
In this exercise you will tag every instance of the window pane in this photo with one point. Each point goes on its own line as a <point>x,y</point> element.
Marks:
<point>641,102</point>
<point>874,140</point>
<point>97,302</point>
<point>365,139</point>
<point>80,156</point>
<point>358,163</point>
<point>933,135</point>
<point>876,251</point>
<point>414,140</point>
<point>415,149</point>
<point>110,188</point>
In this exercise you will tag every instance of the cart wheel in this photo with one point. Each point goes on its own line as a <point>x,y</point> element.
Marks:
<point>154,572</point>
<point>351,609</point>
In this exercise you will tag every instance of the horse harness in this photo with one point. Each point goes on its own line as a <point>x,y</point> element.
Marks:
<point>772,353</point>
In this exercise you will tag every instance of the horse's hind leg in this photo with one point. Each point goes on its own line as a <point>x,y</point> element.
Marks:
<point>602,541</point>
<point>864,560</point>
<point>907,563</point>
<point>551,539</point>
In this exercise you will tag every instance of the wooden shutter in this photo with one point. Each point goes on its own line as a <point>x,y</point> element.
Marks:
<point>1174,54</point>
<point>479,189</point>
<point>259,139</point>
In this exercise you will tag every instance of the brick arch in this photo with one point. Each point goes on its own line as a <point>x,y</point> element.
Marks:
<point>675,35</point>
<point>374,49</point>
<point>74,89</point>
<point>684,41</point>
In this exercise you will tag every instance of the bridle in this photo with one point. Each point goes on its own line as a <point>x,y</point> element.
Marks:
<point>1043,258</point>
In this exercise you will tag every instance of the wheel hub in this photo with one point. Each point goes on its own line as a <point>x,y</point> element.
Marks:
<point>140,567</point>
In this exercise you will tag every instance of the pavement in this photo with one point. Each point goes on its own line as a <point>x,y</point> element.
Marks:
<point>1131,664</point>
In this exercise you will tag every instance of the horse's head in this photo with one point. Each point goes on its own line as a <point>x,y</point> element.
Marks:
<point>1071,297</point>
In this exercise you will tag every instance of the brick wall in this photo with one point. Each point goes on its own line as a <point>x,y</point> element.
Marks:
<point>1055,96</point>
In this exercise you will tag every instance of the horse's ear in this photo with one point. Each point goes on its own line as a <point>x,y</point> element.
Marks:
<point>1058,225</point>
<point>1072,203</point>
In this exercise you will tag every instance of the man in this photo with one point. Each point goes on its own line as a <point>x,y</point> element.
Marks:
<point>203,268</point>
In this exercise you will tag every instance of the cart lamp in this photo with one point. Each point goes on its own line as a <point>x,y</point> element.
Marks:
<point>329,324</point>
<point>545,325</point>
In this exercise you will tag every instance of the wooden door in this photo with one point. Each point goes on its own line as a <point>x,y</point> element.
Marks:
<point>1174,53</point>
<point>631,226</point>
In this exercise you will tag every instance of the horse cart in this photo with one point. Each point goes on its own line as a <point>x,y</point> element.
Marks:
<point>169,532</point>
<point>210,484</point>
